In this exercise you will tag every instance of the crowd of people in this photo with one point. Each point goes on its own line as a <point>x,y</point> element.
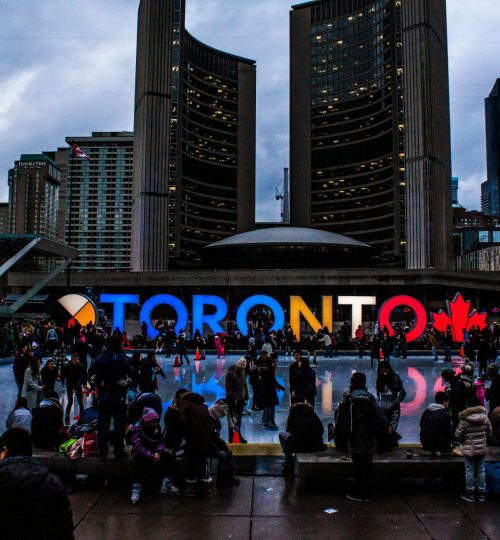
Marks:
<point>125,389</point>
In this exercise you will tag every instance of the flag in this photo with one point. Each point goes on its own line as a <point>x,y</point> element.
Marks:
<point>79,153</point>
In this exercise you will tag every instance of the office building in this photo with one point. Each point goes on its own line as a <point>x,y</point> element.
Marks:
<point>454,192</point>
<point>369,127</point>
<point>490,190</point>
<point>97,197</point>
<point>194,157</point>
<point>34,196</point>
<point>4,217</point>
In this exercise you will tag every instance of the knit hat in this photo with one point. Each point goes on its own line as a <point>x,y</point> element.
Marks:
<point>242,362</point>
<point>148,415</point>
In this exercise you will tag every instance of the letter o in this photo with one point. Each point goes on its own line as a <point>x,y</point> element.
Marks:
<point>384,316</point>
<point>257,300</point>
<point>169,300</point>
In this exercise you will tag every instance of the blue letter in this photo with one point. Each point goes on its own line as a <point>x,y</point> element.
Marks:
<point>199,318</point>
<point>159,300</point>
<point>258,300</point>
<point>119,301</point>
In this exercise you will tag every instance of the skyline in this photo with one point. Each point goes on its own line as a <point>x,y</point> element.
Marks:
<point>81,68</point>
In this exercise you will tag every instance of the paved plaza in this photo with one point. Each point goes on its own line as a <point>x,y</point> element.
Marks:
<point>420,375</point>
<point>270,507</point>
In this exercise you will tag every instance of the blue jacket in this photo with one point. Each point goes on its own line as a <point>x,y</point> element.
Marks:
<point>111,373</point>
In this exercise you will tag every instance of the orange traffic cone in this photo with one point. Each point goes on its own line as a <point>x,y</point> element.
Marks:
<point>381,355</point>
<point>197,355</point>
<point>462,354</point>
<point>236,437</point>
<point>176,361</point>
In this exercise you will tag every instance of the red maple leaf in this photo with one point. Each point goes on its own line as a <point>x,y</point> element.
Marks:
<point>459,318</point>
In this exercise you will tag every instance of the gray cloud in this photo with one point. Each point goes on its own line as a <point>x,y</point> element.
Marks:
<point>77,76</point>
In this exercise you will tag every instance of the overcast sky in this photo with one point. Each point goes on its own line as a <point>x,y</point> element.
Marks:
<point>67,68</point>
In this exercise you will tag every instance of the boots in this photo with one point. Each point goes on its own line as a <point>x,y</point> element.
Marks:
<point>190,488</point>
<point>206,488</point>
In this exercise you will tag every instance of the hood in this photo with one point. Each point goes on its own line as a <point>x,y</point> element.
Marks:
<point>433,407</point>
<point>302,409</point>
<point>50,402</point>
<point>21,474</point>
<point>474,415</point>
<point>191,397</point>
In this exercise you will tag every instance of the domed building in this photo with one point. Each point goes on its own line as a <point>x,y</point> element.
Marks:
<point>288,247</point>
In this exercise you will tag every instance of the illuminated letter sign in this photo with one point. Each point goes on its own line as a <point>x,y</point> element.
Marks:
<point>298,307</point>
<point>384,316</point>
<point>259,300</point>
<point>357,303</point>
<point>199,318</point>
<point>159,300</point>
<point>119,301</point>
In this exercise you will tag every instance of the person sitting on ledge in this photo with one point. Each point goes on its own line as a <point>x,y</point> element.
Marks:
<point>47,423</point>
<point>304,431</point>
<point>33,503</point>
<point>20,417</point>
<point>436,427</point>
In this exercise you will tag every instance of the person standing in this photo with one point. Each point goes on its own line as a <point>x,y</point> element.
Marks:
<point>493,392</point>
<point>236,395</point>
<point>51,340</point>
<point>447,345</point>
<point>457,392</point>
<point>472,432</point>
<point>111,373</point>
<point>360,421</point>
<point>32,387</point>
<point>390,394</point>
<point>74,375</point>
<point>292,375</point>
<point>255,380</point>
<point>306,382</point>
<point>148,373</point>
<point>181,347</point>
<point>269,394</point>
<point>19,367</point>
<point>49,375</point>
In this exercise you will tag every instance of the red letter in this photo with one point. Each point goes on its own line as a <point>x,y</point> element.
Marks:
<point>384,316</point>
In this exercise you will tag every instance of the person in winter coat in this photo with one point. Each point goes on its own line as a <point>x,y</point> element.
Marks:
<point>110,374</point>
<point>148,374</point>
<point>49,375</point>
<point>47,423</point>
<point>304,431</point>
<point>20,417</point>
<point>255,380</point>
<point>197,431</point>
<point>360,421</point>
<point>151,457</point>
<point>306,381</point>
<point>219,348</point>
<point>494,439</point>
<point>172,432</point>
<point>19,366</point>
<point>269,383</point>
<point>493,392</point>
<point>436,427</point>
<point>390,394</point>
<point>375,350</point>
<point>32,387</point>
<point>236,395</point>
<point>74,375</point>
<point>457,392</point>
<point>220,450</point>
<point>472,431</point>
<point>33,503</point>
<point>51,339</point>
<point>483,354</point>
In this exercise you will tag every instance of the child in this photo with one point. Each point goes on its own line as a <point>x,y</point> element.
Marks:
<point>472,431</point>
<point>219,347</point>
<point>150,455</point>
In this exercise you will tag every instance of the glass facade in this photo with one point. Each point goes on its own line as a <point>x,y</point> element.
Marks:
<point>357,123</point>
<point>208,194</point>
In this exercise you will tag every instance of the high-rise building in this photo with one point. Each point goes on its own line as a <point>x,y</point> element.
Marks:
<point>454,192</point>
<point>97,197</point>
<point>34,196</point>
<point>370,128</point>
<point>490,190</point>
<point>4,217</point>
<point>194,157</point>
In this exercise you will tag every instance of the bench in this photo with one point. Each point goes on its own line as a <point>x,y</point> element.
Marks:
<point>334,465</point>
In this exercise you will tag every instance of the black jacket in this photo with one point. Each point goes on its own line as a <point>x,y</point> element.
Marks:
<point>74,375</point>
<point>195,425</point>
<point>305,428</point>
<point>46,424</point>
<point>269,387</point>
<point>436,429</point>
<point>33,504</point>
<point>493,394</point>
<point>111,373</point>
<point>172,433</point>
<point>306,382</point>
